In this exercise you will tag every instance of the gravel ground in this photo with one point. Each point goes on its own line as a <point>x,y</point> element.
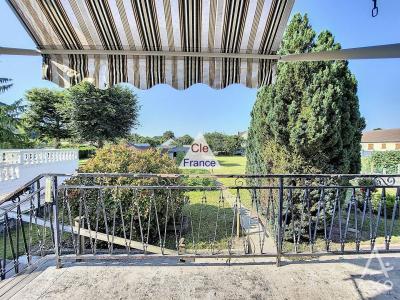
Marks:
<point>329,277</point>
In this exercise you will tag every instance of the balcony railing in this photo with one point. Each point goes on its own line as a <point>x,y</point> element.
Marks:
<point>93,216</point>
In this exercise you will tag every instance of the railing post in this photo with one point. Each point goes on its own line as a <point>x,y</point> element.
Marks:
<point>279,235</point>
<point>56,227</point>
<point>237,215</point>
<point>80,239</point>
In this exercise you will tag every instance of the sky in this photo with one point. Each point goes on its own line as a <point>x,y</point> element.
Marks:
<point>202,109</point>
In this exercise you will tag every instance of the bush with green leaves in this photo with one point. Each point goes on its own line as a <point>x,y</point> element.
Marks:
<point>123,159</point>
<point>85,152</point>
<point>378,204</point>
<point>198,181</point>
<point>385,160</point>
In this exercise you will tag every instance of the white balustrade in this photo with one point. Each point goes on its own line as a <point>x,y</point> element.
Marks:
<point>15,163</point>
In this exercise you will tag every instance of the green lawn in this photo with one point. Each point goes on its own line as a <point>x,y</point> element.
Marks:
<point>204,213</point>
<point>33,237</point>
<point>234,165</point>
<point>231,165</point>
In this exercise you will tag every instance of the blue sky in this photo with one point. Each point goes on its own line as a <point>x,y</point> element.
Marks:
<point>202,109</point>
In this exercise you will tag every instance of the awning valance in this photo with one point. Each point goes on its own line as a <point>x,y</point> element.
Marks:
<point>147,42</point>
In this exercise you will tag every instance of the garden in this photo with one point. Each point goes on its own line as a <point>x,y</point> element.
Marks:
<point>307,122</point>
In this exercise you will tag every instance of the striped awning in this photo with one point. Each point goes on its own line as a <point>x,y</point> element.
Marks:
<point>149,42</point>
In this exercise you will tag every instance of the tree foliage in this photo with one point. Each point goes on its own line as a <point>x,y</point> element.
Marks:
<point>184,140</point>
<point>5,84</point>
<point>308,121</point>
<point>102,115</point>
<point>221,143</point>
<point>12,134</point>
<point>168,135</point>
<point>385,160</point>
<point>46,114</point>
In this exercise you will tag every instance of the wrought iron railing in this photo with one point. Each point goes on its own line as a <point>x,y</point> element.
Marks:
<point>92,216</point>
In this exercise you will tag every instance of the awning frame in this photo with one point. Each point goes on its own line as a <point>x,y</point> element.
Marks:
<point>372,52</point>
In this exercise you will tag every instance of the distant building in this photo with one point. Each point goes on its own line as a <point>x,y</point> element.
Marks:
<point>380,140</point>
<point>243,134</point>
<point>169,147</point>
<point>140,146</point>
<point>167,144</point>
<point>174,151</point>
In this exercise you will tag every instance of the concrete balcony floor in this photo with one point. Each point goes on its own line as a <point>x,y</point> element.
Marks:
<point>331,277</point>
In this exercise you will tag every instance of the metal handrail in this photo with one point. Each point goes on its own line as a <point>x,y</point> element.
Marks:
<point>69,212</point>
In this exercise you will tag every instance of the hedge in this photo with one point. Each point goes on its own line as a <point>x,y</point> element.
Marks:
<point>86,152</point>
<point>382,160</point>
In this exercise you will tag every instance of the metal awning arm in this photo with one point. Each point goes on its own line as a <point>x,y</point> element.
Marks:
<point>32,52</point>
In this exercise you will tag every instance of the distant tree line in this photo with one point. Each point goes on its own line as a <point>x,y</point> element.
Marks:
<point>89,115</point>
<point>82,113</point>
<point>220,143</point>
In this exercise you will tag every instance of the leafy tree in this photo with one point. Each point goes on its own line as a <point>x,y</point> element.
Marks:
<point>168,135</point>
<point>135,138</point>
<point>11,129</point>
<point>223,143</point>
<point>152,141</point>
<point>184,140</point>
<point>102,115</point>
<point>46,116</point>
<point>233,143</point>
<point>216,141</point>
<point>12,134</point>
<point>5,84</point>
<point>309,120</point>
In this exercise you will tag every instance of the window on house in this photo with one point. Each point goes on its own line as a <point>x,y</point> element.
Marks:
<point>370,146</point>
<point>383,146</point>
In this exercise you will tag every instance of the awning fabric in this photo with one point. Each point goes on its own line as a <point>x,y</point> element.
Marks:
<point>209,26</point>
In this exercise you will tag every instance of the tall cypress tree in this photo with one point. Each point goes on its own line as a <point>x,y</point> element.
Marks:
<point>308,121</point>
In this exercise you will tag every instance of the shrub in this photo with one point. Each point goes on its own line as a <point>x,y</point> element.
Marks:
<point>388,160</point>
<point>86,152</point>
<point>366,165</point>
<point>122,159</point>
<point>200,181</point>
<point>179,157</point>
<point>390,201</point>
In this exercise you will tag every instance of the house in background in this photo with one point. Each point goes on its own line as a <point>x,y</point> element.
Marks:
<point>380,140</point>
<point>169,147</point>
<point>140,146</point>
<point>167,144</point>
<point>243,134</point>
<point>174,151</point>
